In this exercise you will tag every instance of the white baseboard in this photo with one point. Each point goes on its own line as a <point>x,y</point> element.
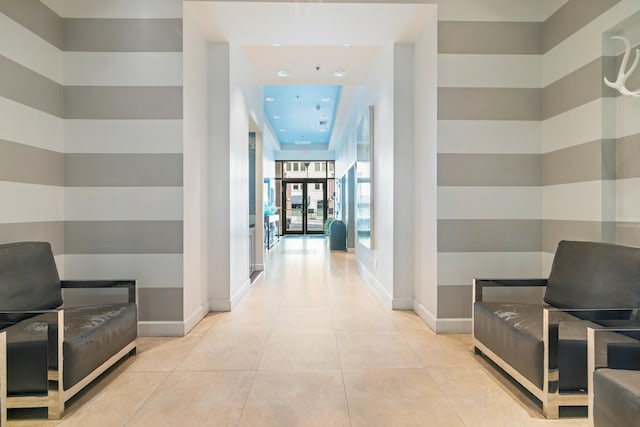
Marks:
<point>257,267</point>
<point>379,291</point>
<point>219,305</point>
<point>194,318</point>
<point>404,303</point>
<point>454,326</point>
<point>442,326</point>
<point>161,329</point>
<point>237,297</point>
<point>230,304</point>
<point>425,315</point>
<point>351,250</point>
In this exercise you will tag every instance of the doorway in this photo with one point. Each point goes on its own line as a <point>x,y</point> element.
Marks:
<point>306,210</point>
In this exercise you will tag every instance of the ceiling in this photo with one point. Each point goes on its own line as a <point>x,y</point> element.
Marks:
<point>311,41</point>
<point>301,115</point>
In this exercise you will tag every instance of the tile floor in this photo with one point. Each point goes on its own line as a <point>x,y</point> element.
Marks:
<point>310,345</point>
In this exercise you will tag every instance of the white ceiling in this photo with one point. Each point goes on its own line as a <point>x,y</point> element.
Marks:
<point>311,34</point>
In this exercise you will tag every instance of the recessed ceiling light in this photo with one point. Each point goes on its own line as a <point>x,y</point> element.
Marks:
<point>323,117</point>
<point>283,73</point>
<point>276,117</point>
<point>347,45</point>
<point>325,99</point>
<point>276,45</point>
<point>323,130</point>
<point>269,99</point>
<point>283,130</point>
<point>340,73</point>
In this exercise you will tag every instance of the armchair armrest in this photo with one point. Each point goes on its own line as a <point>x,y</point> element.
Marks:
<point>80,284</point>
<point>3,379</point>
<point>480,284</point>
<point>598,354</point>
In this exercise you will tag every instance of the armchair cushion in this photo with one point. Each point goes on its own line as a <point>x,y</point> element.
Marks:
<point>617,397</point>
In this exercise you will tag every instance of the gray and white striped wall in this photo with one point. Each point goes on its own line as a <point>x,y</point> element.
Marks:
<point>532,146</point>
<point>91,143</point>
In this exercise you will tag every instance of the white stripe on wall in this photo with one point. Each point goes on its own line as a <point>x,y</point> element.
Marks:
<point>490,10</point>
<point>585,45</point>
<point>150,270</point>
<point>116,8</point>
<point>123,203</point>
<point>123,69</point>
<point>30,202</point>
<point>461,268</point>
<point>506,71</point>
<point>577,126</point>
<point>628,200</point>
<point>123,136</point>
<point>25,125</point>
<point>547,261</point>
<point>580,201</point>
<point>29,50</point>
<point>489,136</point>
<point>489,202</point>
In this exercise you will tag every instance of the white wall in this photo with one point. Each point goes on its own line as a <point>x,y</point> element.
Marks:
<point>219,178</point>
<point>426,157</point>
<point>378,262</point>
<point>404,202</point>
<point>195,72</point>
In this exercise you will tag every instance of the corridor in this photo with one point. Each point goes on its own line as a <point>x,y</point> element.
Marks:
<point>310,345</point>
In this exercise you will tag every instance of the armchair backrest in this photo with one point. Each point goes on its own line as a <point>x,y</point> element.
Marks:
<point>594,275</point>
<point>28,278</point>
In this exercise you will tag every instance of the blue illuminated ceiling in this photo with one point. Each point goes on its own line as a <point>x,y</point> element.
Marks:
<point>301,114</point>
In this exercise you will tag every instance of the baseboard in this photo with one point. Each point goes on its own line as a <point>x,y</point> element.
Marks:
<point>351,250</point>
<point>161,329</point>
<point>442,326</point>
<point>237,297</point>
<point>379,291</point>
<point>219,305</point>
<point>453,326</point>
<point>193,319</point>
<point>425,315</point>
<point>257,267</point>
<point>404,303</point>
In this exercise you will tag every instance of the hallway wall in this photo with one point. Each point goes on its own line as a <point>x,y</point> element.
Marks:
<point>591,136</point>
<point>31,125</point>
<point>92,134</point>
<point>489,149</point>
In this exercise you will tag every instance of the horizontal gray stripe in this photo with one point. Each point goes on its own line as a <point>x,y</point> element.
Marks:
<point>572,16</point>
<point>27,87</point>
<point>123,237</point>
<point>123,102</point>
<point>454,302</point>
<point>628,233</point>
<point>160,304</point>
<point>581,86</point>
<point>489,103</point>
<point>489,169</point>
<point>122,35</point>
<point>126,170</point>
<point>628,157</point>
<point>489,235</point>
<point>591,161</point>
<point>36,17</point>
<point>52,232</point>
<point>500,38</point>
<point>555,230</point>
<point>32,165</point>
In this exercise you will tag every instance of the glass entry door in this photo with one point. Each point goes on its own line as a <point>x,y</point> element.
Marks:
<point>305,210</point>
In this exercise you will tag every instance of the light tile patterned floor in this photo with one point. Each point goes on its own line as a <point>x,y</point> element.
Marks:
<point>310,345</point>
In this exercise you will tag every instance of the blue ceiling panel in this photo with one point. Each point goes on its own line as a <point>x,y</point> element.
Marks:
<point>302,114</point>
